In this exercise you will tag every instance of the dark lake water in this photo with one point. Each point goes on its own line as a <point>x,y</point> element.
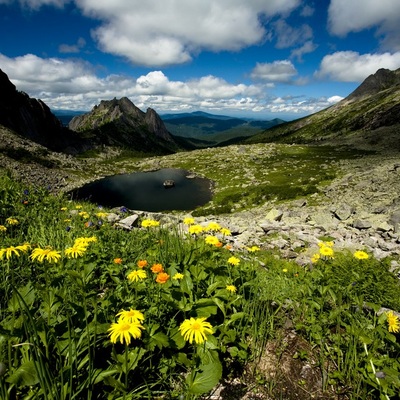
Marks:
<point>145,191</point>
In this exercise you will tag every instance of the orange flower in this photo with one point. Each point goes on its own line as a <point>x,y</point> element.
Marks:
<point>157,268</point>
<point>162,277</point>
<point>117,260</point>
<point>142,263</point>
<point>219,244</point>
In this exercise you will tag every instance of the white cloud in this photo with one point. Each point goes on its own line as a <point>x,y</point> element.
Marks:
<point>36,4</point>
<point>153,35</point>
<point>287,36</point>
<point>73,48</point>
<point>278,71</point>
<point>353,16</point>
<point>350,66</point>
<point>307,47</point>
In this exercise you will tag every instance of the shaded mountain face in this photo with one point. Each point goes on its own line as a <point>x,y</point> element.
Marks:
<point>121,123</point>
<point>33,119</point>
<point>369,119</point>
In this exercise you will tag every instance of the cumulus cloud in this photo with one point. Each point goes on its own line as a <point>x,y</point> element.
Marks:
<point>278,71</point>
<point>67,84</point>
<point>287,36</point>
<point>350,66</point>
<point>307,47</point>
<point>353,16</point>
<point>36,4</point>
<point>150,35</point>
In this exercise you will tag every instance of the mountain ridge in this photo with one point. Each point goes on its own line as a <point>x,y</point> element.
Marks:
<point>367,119</point>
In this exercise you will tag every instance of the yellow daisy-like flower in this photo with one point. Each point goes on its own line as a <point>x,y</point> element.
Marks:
<point>124,331</point>
<point>213,226</point>
<point>195,229</point>
<point>225,231</point>
<point>146,223</point>
<point>12,221</point>
<point>137,275</point>
<point>8,252</point>
<point>285,270</point>
<point>315,258</point>
<point>326,251</point>
<point>78,206</point>
<point>2,228</point>
<point>48,254</point>
<point>84,214</point>
<point>231,288</point>
<point>142,263</point>
<point>24,247</point>
<point>213,240</point>
<point>393,322</point>
<point>130,316</point>
<point>75,251</point>
<point>63,208</point>
<point>361,255</point>
<point>195,329</point>
<point>253,249</point>
<point>188,221</point>
<point>162,277</point>
<point>178,276</point>
<point>326,244</point>
<point>85,241</point>
<point>233,260</point>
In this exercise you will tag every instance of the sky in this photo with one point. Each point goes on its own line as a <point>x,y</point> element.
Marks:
<point>261,59</point>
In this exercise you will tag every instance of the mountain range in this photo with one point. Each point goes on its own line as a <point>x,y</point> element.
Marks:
<point>369,118</point>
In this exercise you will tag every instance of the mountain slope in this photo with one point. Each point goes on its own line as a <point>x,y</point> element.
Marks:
<point>369,118</point>
<point>32,119</point>
<point>121,123</point>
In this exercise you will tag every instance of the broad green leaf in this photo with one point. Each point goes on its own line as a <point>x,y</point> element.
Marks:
<point>25,375</point>
<point>205,379</point>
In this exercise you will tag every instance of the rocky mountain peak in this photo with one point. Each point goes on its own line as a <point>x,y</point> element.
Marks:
<point>381,80</point>
<point>156,124</point>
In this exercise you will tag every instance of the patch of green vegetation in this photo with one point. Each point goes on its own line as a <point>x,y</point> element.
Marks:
<point>25,156</point>
<point>90,311</point>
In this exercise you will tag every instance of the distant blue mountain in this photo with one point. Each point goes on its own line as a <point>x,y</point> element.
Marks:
<point>65,116</point>
<point>215,129</point>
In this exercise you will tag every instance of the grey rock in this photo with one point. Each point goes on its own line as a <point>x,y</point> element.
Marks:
<point>128,223</point>
<point>362,224</point>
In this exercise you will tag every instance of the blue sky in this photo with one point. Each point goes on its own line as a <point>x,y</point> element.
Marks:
<point>257,58</point>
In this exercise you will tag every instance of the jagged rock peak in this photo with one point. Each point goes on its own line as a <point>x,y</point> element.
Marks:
<point>381,80</point>
<point>156,124</point>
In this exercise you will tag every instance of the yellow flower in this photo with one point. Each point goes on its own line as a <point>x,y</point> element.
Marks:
<point>63,208</point>
<point>85,241</point>
<point>195,229</point>
<point>48,254</point>
<point>162,277</point>
<point>2,228</point>
<point>233,260</point>
<point>75,251</point>
<point>361,255</point>
<point>142,263</point>
<point>178,276</point>
<point>315,258</point>
<point>326,251</point>
<point>231,288</point>
<point>213,226</point>
<point>123,331</point>
<point>213,240</point>
<point>137,275</point>
<point>84,214</point>
<point>188,221</point>
<point>284,270</point>
<point>149,222</point>
<point>12,221</point>
<point>24,247</point>
<point>253,249</point>
<point>157,268</point>
<point>8,252</point>
<point>195,329</point>
<point>101,214</point>
<point>393,322</point>
<point>78,206</point>
<point>225,231</point>
<point>131,316</point>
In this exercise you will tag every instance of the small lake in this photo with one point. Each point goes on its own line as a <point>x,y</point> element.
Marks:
<point>145,191</point>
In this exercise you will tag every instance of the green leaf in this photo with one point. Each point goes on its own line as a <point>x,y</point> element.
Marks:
<point>158,339</point>
<point>25,375</point>
<point>205,379</point>
<point>205,308</point>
